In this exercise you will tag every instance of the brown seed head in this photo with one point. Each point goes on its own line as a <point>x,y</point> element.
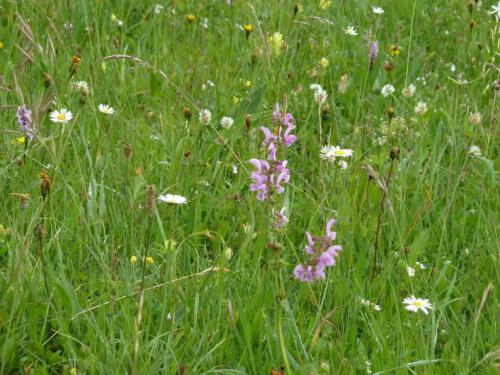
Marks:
<point>127,150</point>
<point>187,113</point>
<point>40,232</point>
<point>394,154</point>
<point>151,193</point>
<point>45,183</point>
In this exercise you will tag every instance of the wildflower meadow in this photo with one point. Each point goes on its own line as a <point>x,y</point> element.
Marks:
<point>249,187</point>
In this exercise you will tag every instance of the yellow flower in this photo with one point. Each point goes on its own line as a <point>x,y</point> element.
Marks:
<point>248,29</point>
<point>277,43</point>
<point>149,260</point>
<point>190,18</point>
<point>323,4</point>
<point>394,50</point>
<point>248,84</point>
<point>1,45</point>
<point>73,371</point>
<point>133,259</point>
<point>236,100</point>
<point>324,63</point>
<point>19,141</point>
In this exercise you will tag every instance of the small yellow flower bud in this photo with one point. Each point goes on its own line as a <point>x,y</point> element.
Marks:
<point>133,259</point>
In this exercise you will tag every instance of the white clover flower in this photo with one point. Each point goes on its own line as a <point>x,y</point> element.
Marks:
<point>474,151</point>
<point>350,30</point>
<point>414,304</point>
<point>158,8</point>
<point>173,199</point>
<point>205,116</point>
<point>387,90</point>
<point>409,91</point>
<point>315,86</point>
<point>378,10</point>
<point>320,96</point>
<point>61,116</point>
<point>475,118</point>
<point>421,108</point>
<point>226,122</point>
<point>342,164</point>
<point>106,109</point>
<point>80,86</point>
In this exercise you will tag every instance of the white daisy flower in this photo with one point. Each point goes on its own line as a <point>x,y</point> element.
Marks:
<point>378,10</point>
<point>414,304</point>
<point>172,198</point>
<point>106,109</point>
<point>226,122</point>
<point>387,90</point>
<point>330,153</point>
<point>351,31</point>
<point>62,116</point>
<point>421,108</point>
<point>205,116</point>
<point>495,10</point>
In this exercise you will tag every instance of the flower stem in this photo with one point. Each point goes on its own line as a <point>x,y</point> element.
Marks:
<point>279,297</point>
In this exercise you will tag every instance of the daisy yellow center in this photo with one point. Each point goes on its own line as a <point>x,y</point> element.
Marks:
<point>340,152</point>
<point>418,304</point>
<point>61,116</point>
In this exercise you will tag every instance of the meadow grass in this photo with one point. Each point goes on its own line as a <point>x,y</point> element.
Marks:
<point>220,283</point>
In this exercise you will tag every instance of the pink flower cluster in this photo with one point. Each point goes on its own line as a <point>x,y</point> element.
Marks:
<point>280,135</point>
<point>269,175</point>
<point>321,253</point>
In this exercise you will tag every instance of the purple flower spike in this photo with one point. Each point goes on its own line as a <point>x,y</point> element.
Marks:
<point>321,254</point>
<point>268,177</point>
<point>24,122</point>
<point>373,52</point>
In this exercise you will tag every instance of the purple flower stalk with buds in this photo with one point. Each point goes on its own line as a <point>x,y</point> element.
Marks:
<point>268,177</point>
<point>373,52</point>
<point>321,254</point>
<point>24,122</point>
<point>280,135</point>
